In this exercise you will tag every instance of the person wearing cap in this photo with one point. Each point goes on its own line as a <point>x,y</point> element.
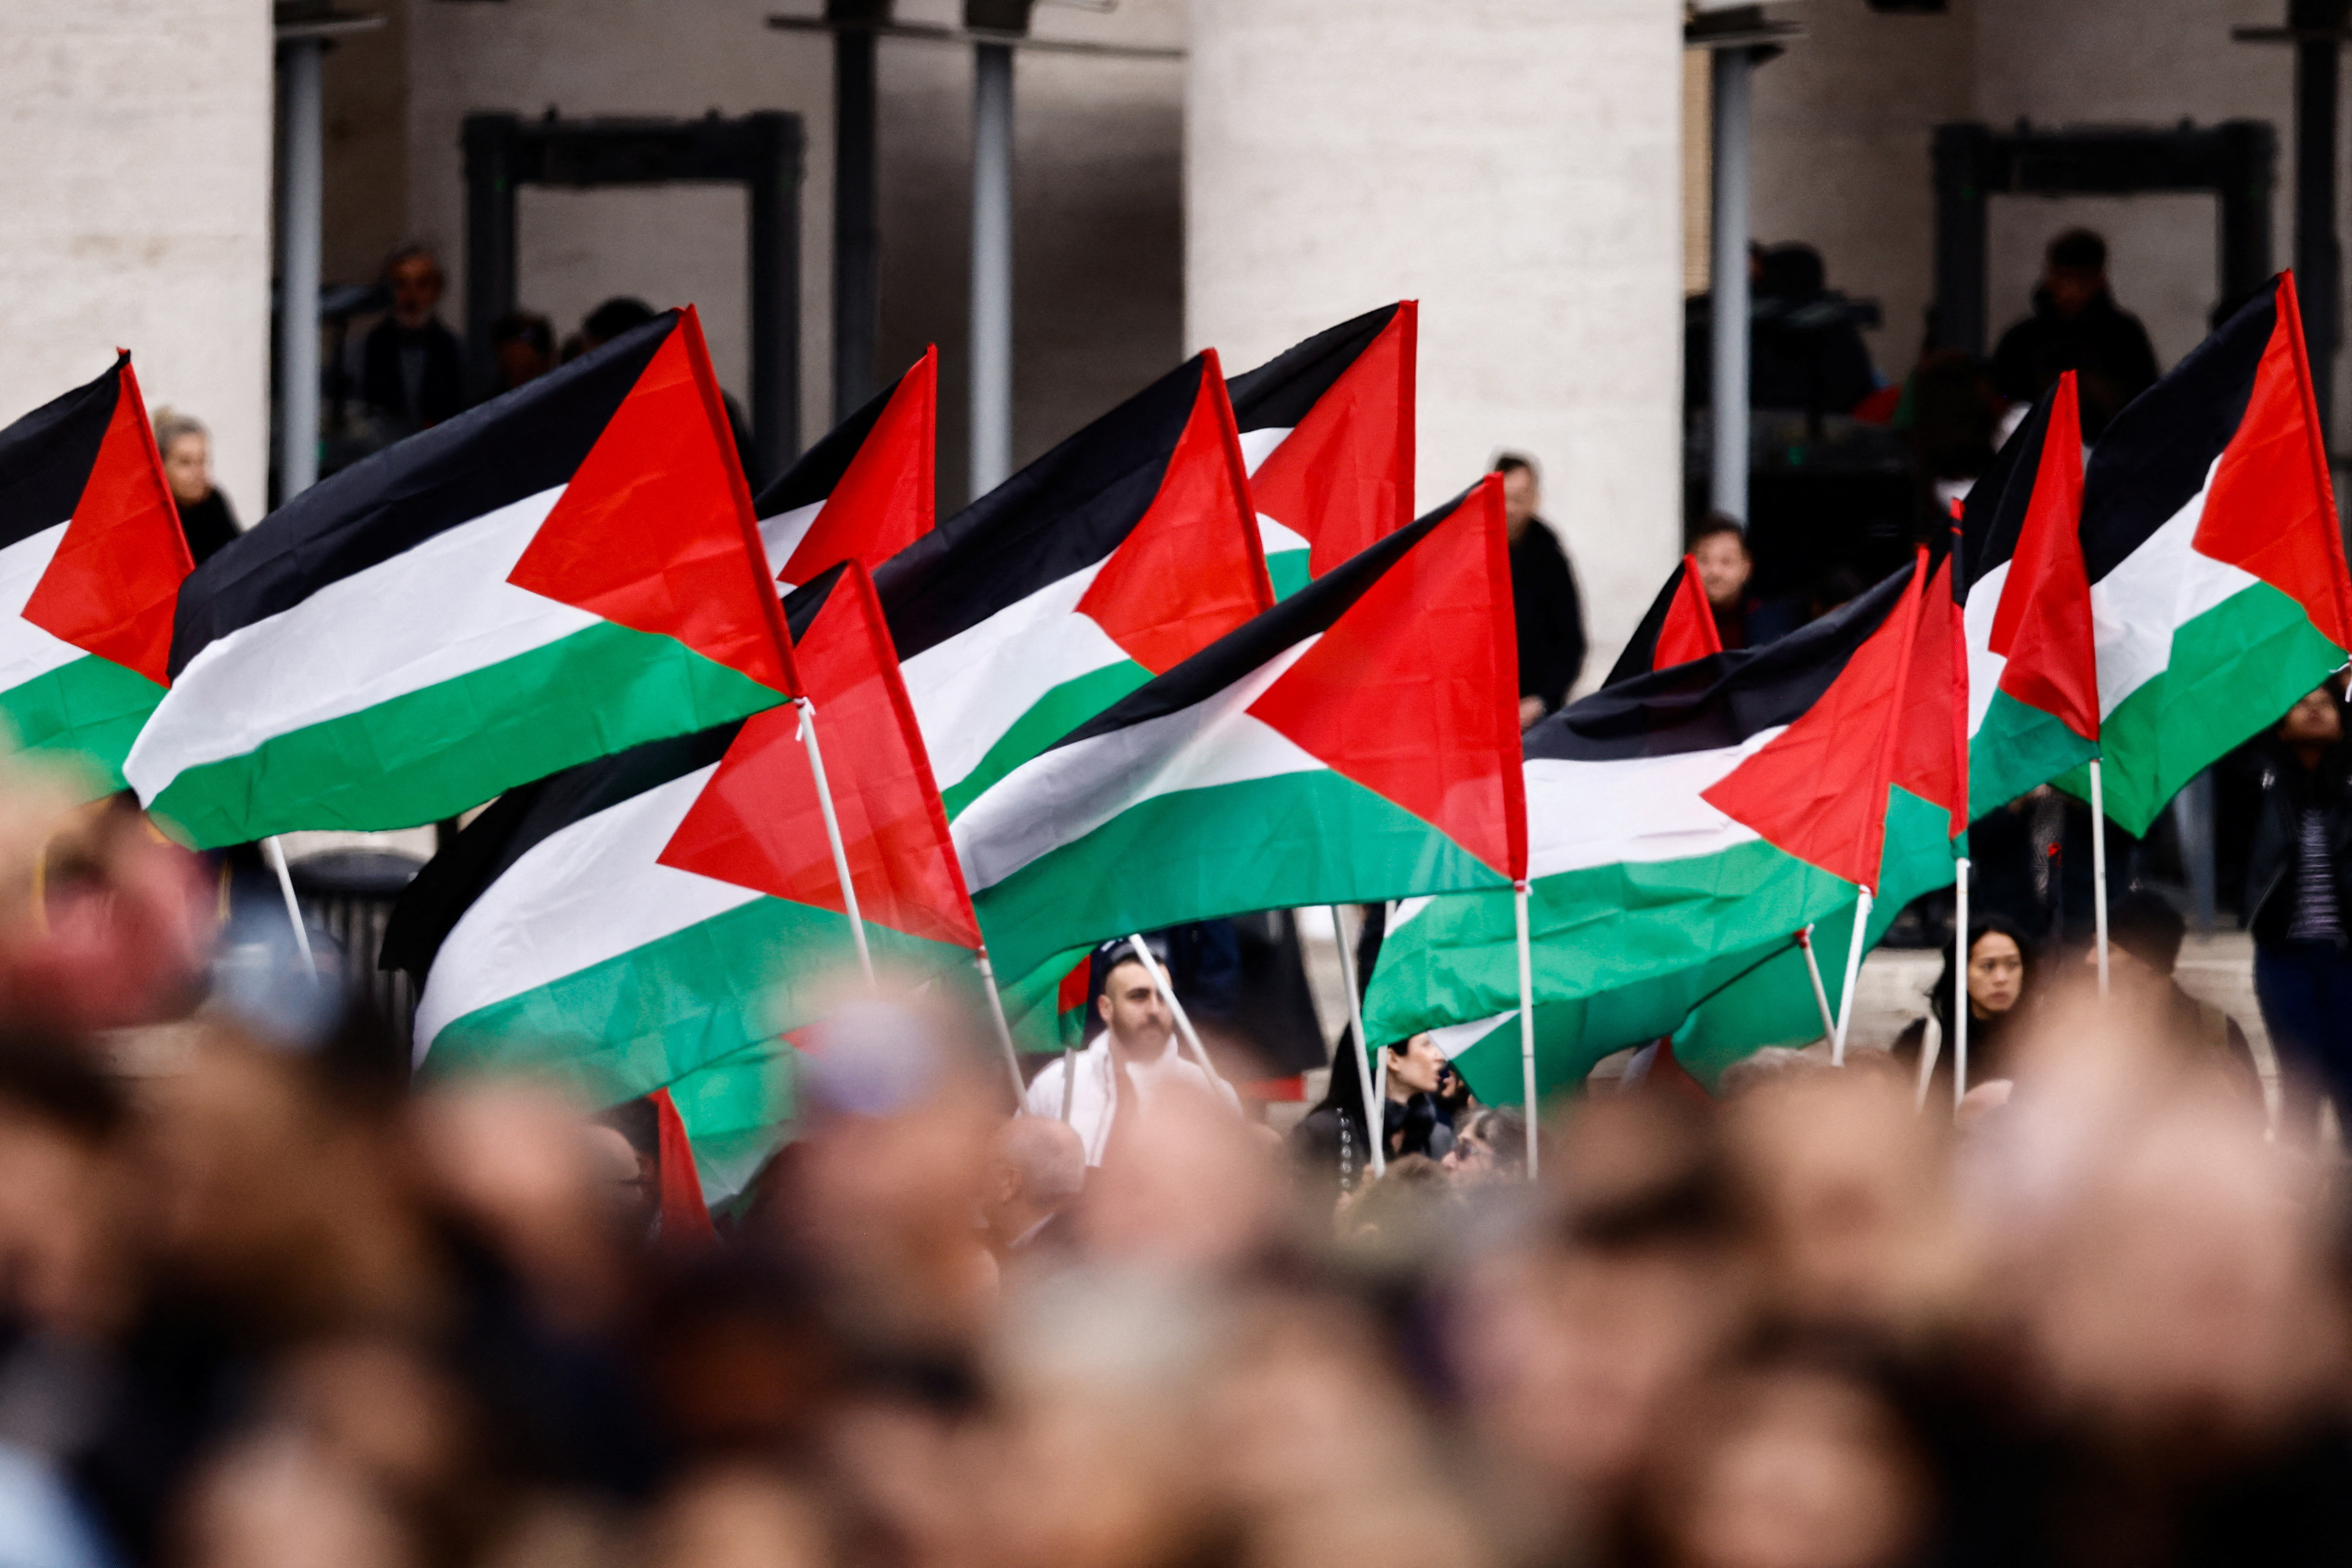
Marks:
<point>1135,1058</point>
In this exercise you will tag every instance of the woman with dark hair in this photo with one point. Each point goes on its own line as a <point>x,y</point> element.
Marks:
<point>1416,1119</point>
<point>2000,982</point>
<point>1330,1140</point>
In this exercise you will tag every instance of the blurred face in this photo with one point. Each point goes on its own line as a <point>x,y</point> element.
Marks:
<point>415,284</point>
<point>1522,494</point>
<point>2317,721</point>
<point>188,467</point>
<point>1723,568</point>
<point>1414,1068</point>
<point>2073,287</point>
<point>627,1181</point>
<point>1136,1014</point>
<point>1996,975</point>
<point>519,361</point>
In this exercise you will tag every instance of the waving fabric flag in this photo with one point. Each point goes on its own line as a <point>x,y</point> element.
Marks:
<point>1327,429</point>
<point>1358,741</point>
<point>1679,628</point>
<point>2033,695</point>
<point>1111,559</point>
<point>557,576</point>
<point>1682,828</point>
<point>864,493</point>
<point>2210,536</point>
<point>674,907</point>
<point>91,557</point>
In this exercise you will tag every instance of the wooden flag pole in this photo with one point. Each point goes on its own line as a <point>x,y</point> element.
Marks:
<point>1853,969</point>
<point>833,837</point>
<point>1527,1016</point>
<point>1183,1020</point>
<point>1821,991</point>
<point>1003,1028</point>
<point>1960,1004</point>
<point>1376,1107</point>
<point>277,853</point>
<point>2099,870</point>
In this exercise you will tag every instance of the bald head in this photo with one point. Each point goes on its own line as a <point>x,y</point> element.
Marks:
<point>1047,1157</point>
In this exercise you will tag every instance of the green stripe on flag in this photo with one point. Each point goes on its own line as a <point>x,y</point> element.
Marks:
<point>1288,569</point>
<point>1227,850</point>
<point>735,1112</point>
<point>2019,748</point>
<point>92,706</point>
<point>1051,717</point>
<point>2233,670</point>
<point>433,752</point>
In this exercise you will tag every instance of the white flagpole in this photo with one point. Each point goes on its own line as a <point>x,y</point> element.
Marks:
<point>1069,1078</point>
<point>1183,1020</point>
<point>1003,1028</point>
<point>833,837</point>
<point>1960,1004</point>
<point>1376,1106</point>
<point>1853,969</point>
<point>277,853</point>
<point>2099,868</point>
<point>1526,1017</point>
<point>1821,991</point>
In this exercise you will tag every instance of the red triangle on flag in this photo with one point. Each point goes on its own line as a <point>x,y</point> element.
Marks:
<point>1413,693</point>
<point>1193,569</point>
<point>114,582</point>
<point>655,530</point>
<point>2270,508</point>
<point>888,496</point>
<point>685,1217</point>
<point>1343,477</point>
<point>758,823</point>
<point>1690,631</point>
<point>1817,789</point>
<point>1930,760</point>
<point>2042,625</point>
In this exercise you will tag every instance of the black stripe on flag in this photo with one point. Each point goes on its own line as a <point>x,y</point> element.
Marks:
<point>1719,700</point>
<point>529,440</point>
<point>45,457</point>
<point>1993,517</point>
<point>440,894</point>
<point>805,603</point>
<point>2155,454</point>
<point>1310,612</point>
<point>820,469</point>
<point>1061,514</point>
<point>1278,394</point>
<point>1641,655</point>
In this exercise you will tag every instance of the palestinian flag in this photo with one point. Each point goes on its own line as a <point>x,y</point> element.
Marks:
<point>91,557</point>
<point>1047,1007</point>
<point>1683,827</point>
<point>864,493</point>
<point>1357,742</point>
<point>1679,628</point>
<point>674,907</point>
<point>1110,560</point>
<point>558,574</point>
<point>1327,431</point>
<point>2033,700</point>
<point>2210,536</point>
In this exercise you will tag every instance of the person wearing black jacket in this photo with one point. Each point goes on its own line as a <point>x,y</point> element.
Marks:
<point>1550,614</point>
<point>2077,325</point>
<point>2299,902</point>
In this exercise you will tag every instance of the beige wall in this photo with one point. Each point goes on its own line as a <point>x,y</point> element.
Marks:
<point>1512,163</point>
<point>134,210</point>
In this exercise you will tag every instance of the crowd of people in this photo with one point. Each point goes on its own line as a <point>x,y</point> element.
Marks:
<point>265,1304</point>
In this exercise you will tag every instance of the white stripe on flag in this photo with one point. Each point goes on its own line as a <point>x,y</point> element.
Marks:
<point>969,690</point>
<point>428,614</point>
<point>1584,814</point>
<point>1058,798</point>
<point>2156,589</point>
<point>590,891</point>
<point>1276,538</point>
<point>783,534</point>
<point>1453,1039</point>
<point>1984,665</point>
<point>1258,446</point>
<point>26,652</point>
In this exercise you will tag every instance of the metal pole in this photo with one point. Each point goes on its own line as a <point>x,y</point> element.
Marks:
<point>832,838</point>
<point>2317,258</point>
<point>1376,1108</point>
<point>857,234</point>
<point>1728,283</point>
<point>992,266</point>
<point>298,268</point>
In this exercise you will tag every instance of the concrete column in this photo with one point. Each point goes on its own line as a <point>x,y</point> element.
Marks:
<point>300,188</point>
<point>1728,281</point>
<point>991,267</point>
<point>137,194</point>
<point>1515,165</point>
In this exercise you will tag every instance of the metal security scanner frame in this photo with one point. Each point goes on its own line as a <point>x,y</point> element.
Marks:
<point>761,152</point>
